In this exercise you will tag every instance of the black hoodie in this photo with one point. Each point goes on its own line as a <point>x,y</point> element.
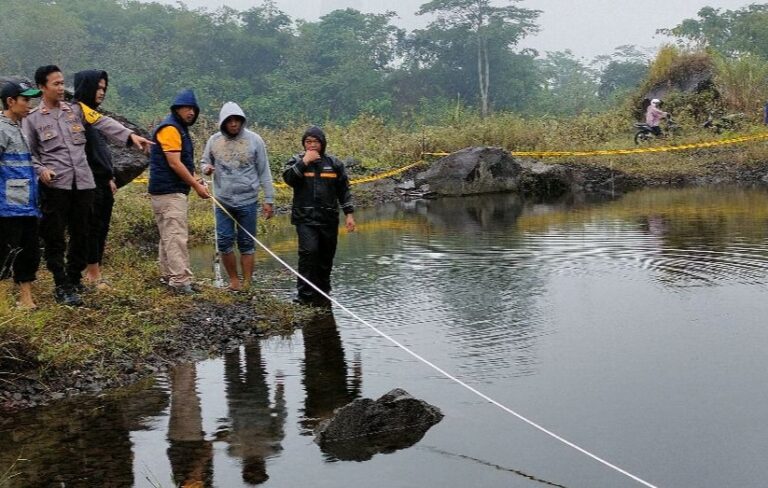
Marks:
<point>320,187</point>
<point>96,149</point>
<point>318,134</point>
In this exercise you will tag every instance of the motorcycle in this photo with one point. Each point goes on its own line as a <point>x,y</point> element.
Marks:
<point>725,122</point>
<point>644,132</point>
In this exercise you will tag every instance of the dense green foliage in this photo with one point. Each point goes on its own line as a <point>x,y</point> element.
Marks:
<point>733,44</point>
<point>283,70</point>
<point>349,64</point>
<point>729,32</point>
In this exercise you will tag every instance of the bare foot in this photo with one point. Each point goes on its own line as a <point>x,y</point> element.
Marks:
<point>25,297</point>
<point>234,284</point>
<point>92,273</point>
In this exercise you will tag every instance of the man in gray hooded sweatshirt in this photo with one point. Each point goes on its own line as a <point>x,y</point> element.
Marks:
<point>238,159</point>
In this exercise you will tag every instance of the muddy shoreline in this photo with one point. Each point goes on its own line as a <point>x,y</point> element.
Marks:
<point>206,330</point>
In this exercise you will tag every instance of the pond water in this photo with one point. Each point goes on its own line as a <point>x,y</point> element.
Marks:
<point>634,327</point>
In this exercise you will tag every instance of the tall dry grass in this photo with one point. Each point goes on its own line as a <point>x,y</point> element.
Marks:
<point>742,83</point>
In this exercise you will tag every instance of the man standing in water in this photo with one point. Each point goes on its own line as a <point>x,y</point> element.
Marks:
<point>171,176</point>
<point>239,159</point>
<point>56,134</point>
<point>19,241</point>
<point>320,185</point>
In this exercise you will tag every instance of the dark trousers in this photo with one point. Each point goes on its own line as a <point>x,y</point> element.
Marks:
<point>19,248</point>
<point>317,247</point>
<point>103,201</point>
<point>65,212</point>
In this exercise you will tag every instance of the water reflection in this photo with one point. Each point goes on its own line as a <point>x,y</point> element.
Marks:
<point>255,429</point>
<point>84,443</point>
<point>468,270</point>
<point>472,214</point>
<point>190,454</point>
<point>700,246</point>
<point>327,382</point>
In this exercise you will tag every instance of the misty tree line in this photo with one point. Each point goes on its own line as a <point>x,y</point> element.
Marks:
<point>344,64</point>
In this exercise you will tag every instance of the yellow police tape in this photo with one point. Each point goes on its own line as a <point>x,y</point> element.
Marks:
<point>641,150</point>
<point>549,154</point>
<point>369,179</point>
<point>356,181</point>
<point>386,174</point>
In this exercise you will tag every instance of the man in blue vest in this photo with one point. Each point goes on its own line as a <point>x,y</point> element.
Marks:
<point>19,241</point>
<point>171,175</point>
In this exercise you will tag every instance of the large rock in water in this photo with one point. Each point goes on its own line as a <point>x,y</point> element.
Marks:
<point>477,170</point>
<point>128,162</point>
<point>471,171</point>
<point>365,427</point>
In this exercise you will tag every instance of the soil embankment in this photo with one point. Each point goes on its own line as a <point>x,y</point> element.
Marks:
<point>207,329</point>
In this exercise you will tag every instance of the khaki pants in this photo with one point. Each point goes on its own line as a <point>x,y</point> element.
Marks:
<point>171,217</point>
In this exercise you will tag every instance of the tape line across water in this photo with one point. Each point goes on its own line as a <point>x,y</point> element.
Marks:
<point>432,365</point>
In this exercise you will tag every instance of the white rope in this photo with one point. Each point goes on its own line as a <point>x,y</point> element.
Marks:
<point>437,368</point>
<point>217,278</point>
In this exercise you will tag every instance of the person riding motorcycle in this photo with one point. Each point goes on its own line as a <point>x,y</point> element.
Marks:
<point>653,116</point>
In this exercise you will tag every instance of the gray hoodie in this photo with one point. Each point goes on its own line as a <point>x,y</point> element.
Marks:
<point>240,162</point>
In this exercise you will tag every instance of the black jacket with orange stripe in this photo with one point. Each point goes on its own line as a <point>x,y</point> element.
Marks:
<point>319,189</point>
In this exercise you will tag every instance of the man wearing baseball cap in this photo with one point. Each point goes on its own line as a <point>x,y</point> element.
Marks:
<point>19,213</point>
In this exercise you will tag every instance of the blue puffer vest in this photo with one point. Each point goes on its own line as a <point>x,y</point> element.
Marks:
<point>162,179</point>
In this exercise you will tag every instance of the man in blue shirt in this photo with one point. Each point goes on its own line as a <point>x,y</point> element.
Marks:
<point>19,213</point>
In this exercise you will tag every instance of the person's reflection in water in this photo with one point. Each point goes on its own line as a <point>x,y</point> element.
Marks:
<point>656,225</point>
<point>256,429</point>
<point>190,454</point>
<point>325,372</point>
<point>66,445</point>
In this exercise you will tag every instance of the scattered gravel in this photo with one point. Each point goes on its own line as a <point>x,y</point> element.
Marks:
<point>208,330</point>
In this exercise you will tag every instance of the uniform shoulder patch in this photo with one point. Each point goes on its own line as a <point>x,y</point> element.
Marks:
<point>91,115</point>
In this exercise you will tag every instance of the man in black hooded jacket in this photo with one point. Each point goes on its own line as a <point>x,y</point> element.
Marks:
<point>320,185</point>
<point>90,89</point>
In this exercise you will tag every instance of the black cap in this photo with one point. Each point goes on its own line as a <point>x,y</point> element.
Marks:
<point>13,89</point>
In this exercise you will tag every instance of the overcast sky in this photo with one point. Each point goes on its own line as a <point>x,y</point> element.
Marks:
<point>586,27</point>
